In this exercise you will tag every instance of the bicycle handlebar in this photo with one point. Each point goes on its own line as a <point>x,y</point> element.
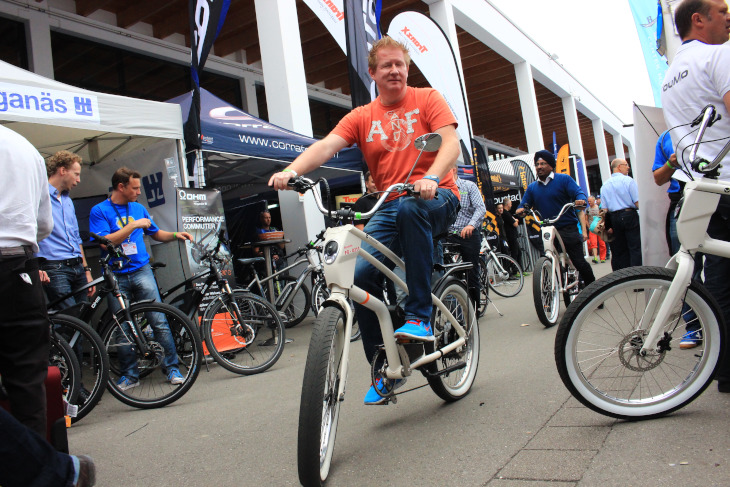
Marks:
<point>302,184</point>
<point>706,119</point>
<point>550,221</point>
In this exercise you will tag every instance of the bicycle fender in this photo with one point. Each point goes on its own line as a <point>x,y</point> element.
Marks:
<point>339,301</point>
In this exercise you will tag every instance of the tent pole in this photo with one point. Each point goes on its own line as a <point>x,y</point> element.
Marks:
<point>199,167</point>
<point>182,163</point>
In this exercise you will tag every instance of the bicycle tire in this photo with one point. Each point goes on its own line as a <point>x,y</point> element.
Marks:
<point>320,293</point>
<point>501,282</point>
<point>62,356</point>
<point>299,306</point>
<point>94,360</point>
<point>596,348</point>
<point>319,408</point>
<point>153,390</point>
<point>546,299</point>
<point>248,349</point>
<point>456,384</point>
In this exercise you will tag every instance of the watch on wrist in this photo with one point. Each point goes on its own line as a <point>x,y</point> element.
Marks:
<point>87,268</point>
<point>433,177</point>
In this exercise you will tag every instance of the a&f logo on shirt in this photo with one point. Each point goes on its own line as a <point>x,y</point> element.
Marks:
<point>395,130</point>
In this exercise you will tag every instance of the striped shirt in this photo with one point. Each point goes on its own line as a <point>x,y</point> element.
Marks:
<point>472,209</point>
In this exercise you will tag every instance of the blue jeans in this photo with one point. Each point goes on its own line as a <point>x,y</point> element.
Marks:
<point>28,459</point>
<point>406,226</point>
<point>65,279</point>
<point>137,286</point>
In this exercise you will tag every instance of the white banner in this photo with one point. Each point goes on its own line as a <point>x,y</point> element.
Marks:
<point>332,15</point>
<point>431,51</point>
<point>45,103</point>
<point>653,199</point>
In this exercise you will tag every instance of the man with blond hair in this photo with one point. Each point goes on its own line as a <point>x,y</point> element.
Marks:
<point>385,130</point>
<point>65,262</point>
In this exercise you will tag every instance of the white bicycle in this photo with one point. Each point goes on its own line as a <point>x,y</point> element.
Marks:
<point>555,274</point>
<point>449,364</point>
<point>617,348</point>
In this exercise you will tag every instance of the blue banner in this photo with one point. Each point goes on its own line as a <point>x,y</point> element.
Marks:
<point>645,18</point>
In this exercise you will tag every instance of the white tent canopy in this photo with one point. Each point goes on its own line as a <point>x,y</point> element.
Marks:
<point>55,116</point>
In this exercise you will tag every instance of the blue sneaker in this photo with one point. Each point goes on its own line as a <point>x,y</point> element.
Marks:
<point>174,377</point>
<point>691,339</point>
<point>126,383</point>
<point>415,330</point>
<point>372,397</point>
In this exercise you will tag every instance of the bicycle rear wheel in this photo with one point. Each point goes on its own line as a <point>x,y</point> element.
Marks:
<point>62,356</point>
<point>452,375</point>
<point>597,346</point>
<point>483,286</point>
<point>92,357</point>
<point>545,297</point>
<point>319,409</point>
<point>245,347</point>
<point>300,304</point>
<point>505,276</point>
<point>153,390</point>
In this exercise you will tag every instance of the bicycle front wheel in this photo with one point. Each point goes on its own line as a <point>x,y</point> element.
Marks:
<point>483,286</point>
<point>151,390</point>
<point>544,295</point>
<point>505,276</point>
<point>92,357</point>
<point>319,409</point>
<point>320,293</point>
<point>299,306</point>
<point>247,340</point>
<point>597,347</point>
<point>452,375</point>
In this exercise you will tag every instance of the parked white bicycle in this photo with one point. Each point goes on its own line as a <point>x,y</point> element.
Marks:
<point>449,364</point>
<point>555,275</point>
<point>617,348</point>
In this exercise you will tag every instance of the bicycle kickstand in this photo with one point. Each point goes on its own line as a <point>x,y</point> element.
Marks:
<point>489,301</point>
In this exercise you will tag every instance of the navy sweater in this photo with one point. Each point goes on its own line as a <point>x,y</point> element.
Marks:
<point>549,199</point>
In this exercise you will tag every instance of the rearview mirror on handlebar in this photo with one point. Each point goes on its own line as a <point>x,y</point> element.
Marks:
<point>428,142</point>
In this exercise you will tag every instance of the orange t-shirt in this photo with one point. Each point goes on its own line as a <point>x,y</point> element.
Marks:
<point>385,135</point>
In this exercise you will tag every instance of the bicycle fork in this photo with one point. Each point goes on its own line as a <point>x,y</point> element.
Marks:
<point>684,264</point>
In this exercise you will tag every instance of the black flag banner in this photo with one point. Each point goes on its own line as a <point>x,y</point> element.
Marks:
<point>206,20</point>
<point>362,29</point>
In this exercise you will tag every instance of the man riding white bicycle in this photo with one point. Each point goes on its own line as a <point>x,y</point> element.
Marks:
<point>548,195</point>
<point>385,130</point>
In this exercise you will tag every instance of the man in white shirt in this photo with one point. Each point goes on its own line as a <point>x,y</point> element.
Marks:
<point>700,76</point>
<point>25,219</point>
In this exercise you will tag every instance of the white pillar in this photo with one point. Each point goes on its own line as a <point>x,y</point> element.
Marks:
<point>528,104</point>
<point>443,13</point>
<point>601,150</point>
<point>288,105</point>
<point>618,146</point>
<point>571,123</point>
<point>38,34</point>
<point>248,92</point>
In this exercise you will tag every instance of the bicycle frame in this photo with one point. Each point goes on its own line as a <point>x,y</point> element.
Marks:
<point>288,296</point>
<point>560,259</point>
<point>339,273</point>
<point>700,201</point>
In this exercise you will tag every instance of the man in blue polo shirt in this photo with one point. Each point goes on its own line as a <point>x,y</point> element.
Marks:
<point>548,195</point>
<point>65,262</point>
<point>621,198</point>
<point>125,222</point>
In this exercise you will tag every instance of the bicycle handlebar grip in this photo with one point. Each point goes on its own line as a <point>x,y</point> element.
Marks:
<point>102,240</point>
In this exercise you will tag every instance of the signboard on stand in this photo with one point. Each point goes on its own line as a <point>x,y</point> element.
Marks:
<point>200,212</point>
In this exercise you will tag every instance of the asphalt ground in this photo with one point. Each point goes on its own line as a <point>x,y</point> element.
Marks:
<point>519,427</point>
